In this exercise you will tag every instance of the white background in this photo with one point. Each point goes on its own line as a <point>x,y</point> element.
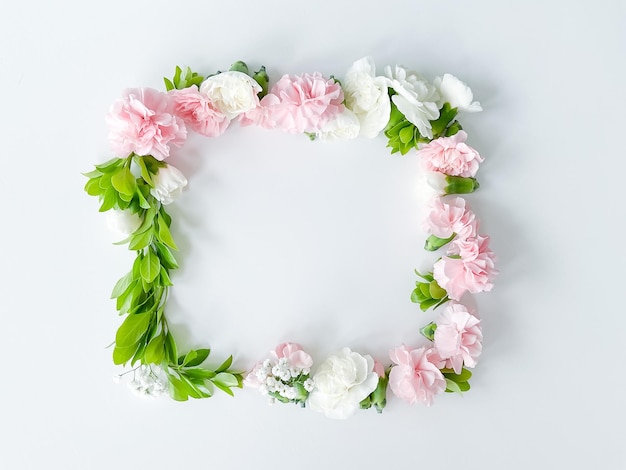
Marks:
<point>282,239</point>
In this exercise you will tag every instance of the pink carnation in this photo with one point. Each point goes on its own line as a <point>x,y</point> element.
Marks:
<point>294,353</point>
<point>451,215</point>
<point>143,122</point>
<point>451,156</point>
<point>458,337</point>
<point>414,378</point>
<point>198,112</point>
<point>470,269</point>
<point>298,103</point>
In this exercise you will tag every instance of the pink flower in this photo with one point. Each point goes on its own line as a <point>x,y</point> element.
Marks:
<point>471,267</point>
<point>458,337</point>
<point>451,215</point>
<point>414,378</point>
<point>451,156</point>
<point>297,104</point>
<point>143,122</point>
<point>379,368</point>
<point>198,112</point>
<point>297,357</point>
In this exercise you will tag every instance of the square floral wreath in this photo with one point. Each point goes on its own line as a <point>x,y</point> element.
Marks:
<point>413,114</point>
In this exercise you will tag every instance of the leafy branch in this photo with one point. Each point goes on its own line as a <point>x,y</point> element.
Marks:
<point>144,336</point>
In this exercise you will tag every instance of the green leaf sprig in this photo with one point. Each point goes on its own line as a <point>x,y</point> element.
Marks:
<point>144,336</point>
<point>428,293</point>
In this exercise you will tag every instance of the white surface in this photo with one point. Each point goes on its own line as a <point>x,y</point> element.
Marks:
<point>284,239</point>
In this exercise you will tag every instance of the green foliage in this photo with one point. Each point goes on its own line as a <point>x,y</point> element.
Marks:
<point>433,243</point>
<point>378,398</point>
<point>180,81</point>
<point>460,185</point>
<point>429,331</point>
<point>428,293</point>
<point>457,383</point>
<point>263,79</point>
<point>403,136</point>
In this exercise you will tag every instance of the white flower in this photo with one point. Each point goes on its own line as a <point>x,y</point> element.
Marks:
<point>123,223</point>
<point>168,184</point>
<point>232,93</point>
<point>367,96</point>
<point>342,381</point>
<point>458,94</point>
<point>344,126</point>
<point>415,98</point>
<point>149,381</point>
<point>309,385</point>
<point>436,181</point>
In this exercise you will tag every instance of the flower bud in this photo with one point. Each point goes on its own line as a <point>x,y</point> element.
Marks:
<point>168,184</point>
<point>446,184</point>
<point>123,222</point>
<point>239,66</point>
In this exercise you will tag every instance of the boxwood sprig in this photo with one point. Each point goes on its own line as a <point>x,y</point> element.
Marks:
<point>144,336</point>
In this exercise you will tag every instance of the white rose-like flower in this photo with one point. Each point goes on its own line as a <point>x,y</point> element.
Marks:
<point>415,98</point>
<point>367,96</point>
<point>342,381</point>
<point>168,184</point>
<point>232,93</point>
<point>123,222</point>
<point>457,93</point>
<point>344,126</point>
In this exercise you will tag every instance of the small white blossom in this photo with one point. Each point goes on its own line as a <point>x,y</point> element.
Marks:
<point>148,381</point>
<point>309,385</point>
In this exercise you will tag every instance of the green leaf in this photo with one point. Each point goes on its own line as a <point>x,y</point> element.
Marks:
<point>436,292</point>
<point>110,166</point>
<point>406,135</point>
<point>426,304</point>
<point>132,329</point>
<point>168,84</point>
<point>171,350</point>
<point>122,285</point>
<point>121,355</point>
<point>92,187</point>
<point>167,258</point>
<point>124,182</point>
<point>155,350</point>
<point>140,240</point>
<point>464,376</point>
<point>150,267</point>
<point>178,389</point>
<point>145,174</point>
<point>177,74</point>
<point>164,233</point>
<point>195,357</point>
<point>198,373</point>
<point>429,331</point>
<point>452,386</point>
<point>226,389</point>
<point>226,379</point>
<point>109,200</point>
<point>165,278</point>
<point>225,365</point>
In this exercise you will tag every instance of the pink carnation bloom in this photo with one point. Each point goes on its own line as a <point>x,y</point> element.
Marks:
<point>294,353</point>
<point>143,122</point>
<point>198,112</point>
<point>458,337</point>
<point>414,377</point>
<point>297,104</point>
<point>451,156</point>
<point>472,271</point>
<point>451,215</point>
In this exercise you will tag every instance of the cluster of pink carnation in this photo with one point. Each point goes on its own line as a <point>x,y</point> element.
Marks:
<point>297,104</point>
<point>468,267</point>
<point>451,215</point>
<point>416,375</point>
<point>451,156</point>
<point>198,112</point>
<point>143,121</point>
<point>458,338</point>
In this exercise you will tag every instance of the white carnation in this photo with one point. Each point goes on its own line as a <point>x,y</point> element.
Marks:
<point>416,99</point>
<point>367,97</point>
<point>457,93</point>
<point>342,381</point>
<point>232,93</point>
<point>344,126</point>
